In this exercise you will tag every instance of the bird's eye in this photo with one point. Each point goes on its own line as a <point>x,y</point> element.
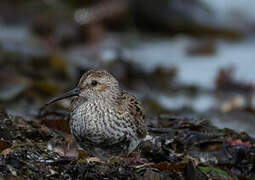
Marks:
<point>94,83</point>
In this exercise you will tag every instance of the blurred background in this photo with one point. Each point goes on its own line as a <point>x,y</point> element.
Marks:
<point>191,58</point>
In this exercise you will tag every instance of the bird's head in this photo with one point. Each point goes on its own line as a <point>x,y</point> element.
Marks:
<point>94,84</point>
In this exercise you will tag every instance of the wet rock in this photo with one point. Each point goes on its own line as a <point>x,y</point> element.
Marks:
<point>193,138</point>
<point>228,155</point>
<point>154,151</point>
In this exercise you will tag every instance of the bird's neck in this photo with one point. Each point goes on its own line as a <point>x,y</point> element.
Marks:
<point>110,97</point>
<point>108,101</point>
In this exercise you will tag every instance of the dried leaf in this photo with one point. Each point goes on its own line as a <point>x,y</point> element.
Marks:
<point>7,151</point>
<point>4,145</point>
<point>164,166</point>
<point>58,124</point>
<point>95,159</point>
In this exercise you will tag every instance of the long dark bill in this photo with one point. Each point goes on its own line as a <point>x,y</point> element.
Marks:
<point>73,92</point>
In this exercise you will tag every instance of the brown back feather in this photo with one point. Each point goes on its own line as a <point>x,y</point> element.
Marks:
<point>136,111</point>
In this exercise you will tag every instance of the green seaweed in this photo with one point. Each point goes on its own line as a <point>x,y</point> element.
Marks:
<point>218,171</point>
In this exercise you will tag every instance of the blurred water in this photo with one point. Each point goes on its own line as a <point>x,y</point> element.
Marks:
<point>225,10</point>
<point>198,70</point>
<point>199,103</point>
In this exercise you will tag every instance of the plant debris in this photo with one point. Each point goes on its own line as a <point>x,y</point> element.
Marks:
<point>30,150</point>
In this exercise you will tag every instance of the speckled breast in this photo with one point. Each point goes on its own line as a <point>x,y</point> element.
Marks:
<point>101,132</point>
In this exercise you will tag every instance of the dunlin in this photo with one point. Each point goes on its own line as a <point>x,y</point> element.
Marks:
<point>105,120</point>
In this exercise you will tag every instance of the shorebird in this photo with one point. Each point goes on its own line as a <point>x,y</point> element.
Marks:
<point>105,120</point>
